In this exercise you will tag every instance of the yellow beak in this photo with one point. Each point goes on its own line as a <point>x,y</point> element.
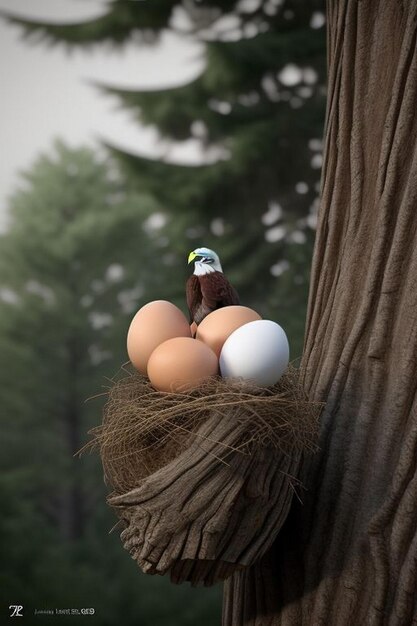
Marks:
<point>191,257</point>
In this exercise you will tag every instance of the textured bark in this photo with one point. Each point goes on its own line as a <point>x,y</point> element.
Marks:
<point>212,510</point>
<point>348,555</point>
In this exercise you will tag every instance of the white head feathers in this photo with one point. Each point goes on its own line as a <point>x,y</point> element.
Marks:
<point>205,261</point>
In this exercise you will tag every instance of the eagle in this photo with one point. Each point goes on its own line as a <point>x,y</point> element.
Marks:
<point>207,288</point>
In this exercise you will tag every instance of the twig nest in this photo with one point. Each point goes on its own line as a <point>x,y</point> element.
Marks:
<point>203,480</point>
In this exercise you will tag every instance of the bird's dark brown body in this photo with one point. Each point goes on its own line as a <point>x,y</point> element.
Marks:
<point>207,293</point>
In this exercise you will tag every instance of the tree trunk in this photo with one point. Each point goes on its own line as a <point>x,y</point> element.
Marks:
<point>348,555</point>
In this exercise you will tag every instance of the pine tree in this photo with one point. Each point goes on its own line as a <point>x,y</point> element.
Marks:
<point>260,103</point>
<point>79,257</point>
<point>65,263</point>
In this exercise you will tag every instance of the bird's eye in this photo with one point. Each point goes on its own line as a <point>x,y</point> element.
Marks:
<point>208,259</point>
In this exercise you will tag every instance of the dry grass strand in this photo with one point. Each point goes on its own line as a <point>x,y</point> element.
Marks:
<point>144,429</point>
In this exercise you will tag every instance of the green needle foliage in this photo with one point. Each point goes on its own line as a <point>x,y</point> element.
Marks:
<point>79,258</point>
<point>87,247</point>
<point>258,105</point>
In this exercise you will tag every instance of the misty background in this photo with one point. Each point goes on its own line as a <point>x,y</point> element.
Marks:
<point>132,132</point>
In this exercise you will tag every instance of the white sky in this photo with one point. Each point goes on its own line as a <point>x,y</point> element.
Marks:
<point>45,91</point>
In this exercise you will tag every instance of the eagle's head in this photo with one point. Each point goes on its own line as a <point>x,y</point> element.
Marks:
<point>205,261</point>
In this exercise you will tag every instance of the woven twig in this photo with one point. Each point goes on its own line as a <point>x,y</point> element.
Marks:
<point>203,481</point>
<point>144,429</point>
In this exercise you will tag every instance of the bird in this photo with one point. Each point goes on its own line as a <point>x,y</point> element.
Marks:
<point>207,288</point>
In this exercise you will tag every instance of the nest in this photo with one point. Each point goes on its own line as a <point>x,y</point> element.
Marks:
<point>203,481</point>
<point>144,429</point>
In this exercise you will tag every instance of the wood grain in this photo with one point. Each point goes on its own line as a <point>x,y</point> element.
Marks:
<point>348,556</point>
<point>212,510</point>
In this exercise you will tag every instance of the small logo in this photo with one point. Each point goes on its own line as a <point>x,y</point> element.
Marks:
<point>87,611</point>
<point>16,610</point>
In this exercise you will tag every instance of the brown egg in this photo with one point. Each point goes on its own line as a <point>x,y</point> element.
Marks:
<point>180,364</point>
<point>218,325</point>
<point>153,324</point>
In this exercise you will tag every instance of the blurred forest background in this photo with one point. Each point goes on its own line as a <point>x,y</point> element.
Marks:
<point>91,238</point>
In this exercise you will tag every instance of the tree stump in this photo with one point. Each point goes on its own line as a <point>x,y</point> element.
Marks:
<point>211,511</point>
<point>203,480</point>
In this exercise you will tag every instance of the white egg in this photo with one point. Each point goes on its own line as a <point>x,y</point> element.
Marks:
<point>257,351</point>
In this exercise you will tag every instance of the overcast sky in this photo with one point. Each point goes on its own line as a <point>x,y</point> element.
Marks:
<point>46,92</point>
